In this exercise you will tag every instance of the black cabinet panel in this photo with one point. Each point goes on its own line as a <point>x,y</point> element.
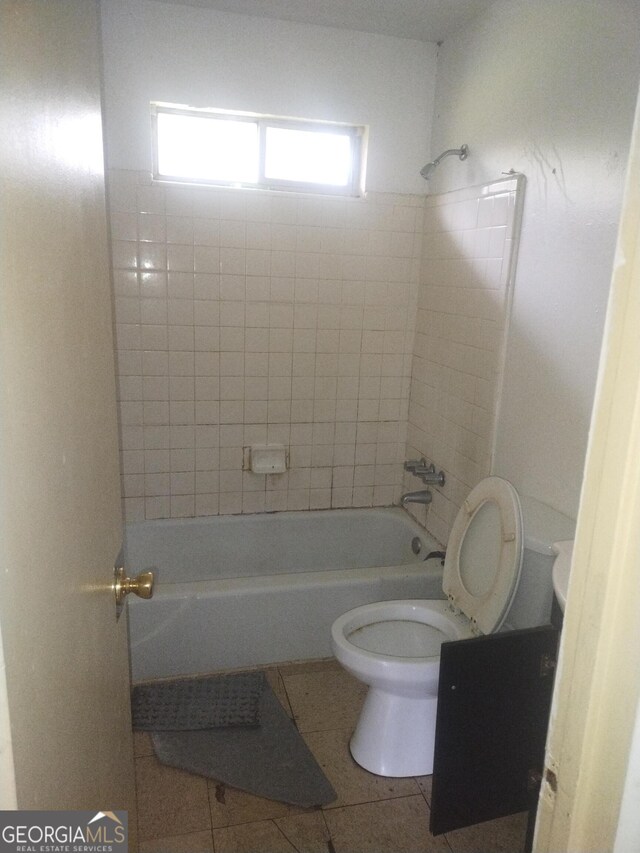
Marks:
<point>494,698</point>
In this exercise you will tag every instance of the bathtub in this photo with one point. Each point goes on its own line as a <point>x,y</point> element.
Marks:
<point>236,591</point>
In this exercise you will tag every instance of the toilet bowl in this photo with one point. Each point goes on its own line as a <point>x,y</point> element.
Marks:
<point>394,646</point>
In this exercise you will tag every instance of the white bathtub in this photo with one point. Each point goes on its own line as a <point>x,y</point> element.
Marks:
<point>235,591</point>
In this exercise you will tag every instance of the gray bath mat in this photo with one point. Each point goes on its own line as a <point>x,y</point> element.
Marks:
<point>270,761</point>
<point>216,701</point>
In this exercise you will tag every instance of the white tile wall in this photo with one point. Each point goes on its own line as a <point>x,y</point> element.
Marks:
<point>246,317</point>
<point>468,256</point>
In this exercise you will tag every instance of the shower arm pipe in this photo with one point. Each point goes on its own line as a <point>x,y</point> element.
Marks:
<point>462,153</point>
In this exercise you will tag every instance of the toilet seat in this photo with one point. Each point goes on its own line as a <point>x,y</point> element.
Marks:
<point>431,620</point>
<point>484,555</point>
<point>366,630</point>
<point>402,638</point>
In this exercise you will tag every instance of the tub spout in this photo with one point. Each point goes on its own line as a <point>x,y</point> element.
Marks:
<point>421,497</point>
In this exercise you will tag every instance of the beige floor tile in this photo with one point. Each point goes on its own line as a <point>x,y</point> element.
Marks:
<point>308,833</point>
<point>277,685</point>
<point>505,835</point>
<point>303,666</point>
<point>396,826</point>
<point>230,806</point>
<point>193,842</point>
<point>351,782</point>
<point>261,837</point>
<point>326,699</point>
<point>425,786</point>
<point>142,744</point>
<point>170,801</point>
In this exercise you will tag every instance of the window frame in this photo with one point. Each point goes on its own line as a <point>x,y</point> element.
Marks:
<point>357,135</point>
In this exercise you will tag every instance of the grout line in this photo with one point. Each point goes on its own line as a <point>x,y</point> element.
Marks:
<point>421,791</point>
<point>330,841</point>
<point>286,693</point>
<point>209,788</point>
<point>330,807</point>
<point>422,794</point>
<point>447,842</point>
<point>285,836</point>
<point>173,835</point>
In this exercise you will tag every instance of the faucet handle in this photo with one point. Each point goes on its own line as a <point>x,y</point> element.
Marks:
<point>427,473</point>
<point>431,477</point>
<point>422,469</point>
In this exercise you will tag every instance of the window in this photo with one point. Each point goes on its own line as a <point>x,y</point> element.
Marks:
<point>234,149</point>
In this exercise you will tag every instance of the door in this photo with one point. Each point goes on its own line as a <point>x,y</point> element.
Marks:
<point>494,696</point>
<point>60,526</point>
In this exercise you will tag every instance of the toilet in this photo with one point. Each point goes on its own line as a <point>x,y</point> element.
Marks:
<point>496,576</point>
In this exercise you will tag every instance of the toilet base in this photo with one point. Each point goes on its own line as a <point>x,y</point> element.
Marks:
<point>395,735</point>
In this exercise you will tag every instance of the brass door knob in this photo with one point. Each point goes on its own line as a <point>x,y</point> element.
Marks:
<point>141,585</point>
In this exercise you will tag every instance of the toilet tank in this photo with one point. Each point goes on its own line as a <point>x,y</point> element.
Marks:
<point>542,526</point>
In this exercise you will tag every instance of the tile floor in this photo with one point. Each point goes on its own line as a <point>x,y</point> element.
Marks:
<point>182,813</point>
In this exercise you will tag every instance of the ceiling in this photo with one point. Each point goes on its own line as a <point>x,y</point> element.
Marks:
<point>425,20</point>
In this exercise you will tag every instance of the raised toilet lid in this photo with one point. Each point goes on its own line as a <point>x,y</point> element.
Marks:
<point>484,554</point>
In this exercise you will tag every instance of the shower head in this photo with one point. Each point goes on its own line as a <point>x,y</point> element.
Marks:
<point>462,153</point>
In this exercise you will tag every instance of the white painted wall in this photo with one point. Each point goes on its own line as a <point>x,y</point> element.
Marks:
<point>548,89</point>
<point>206,58</point>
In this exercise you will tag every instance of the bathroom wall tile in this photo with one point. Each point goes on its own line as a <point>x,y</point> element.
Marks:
<point>179,229</point>
<point>253,502</point>
<point>151,199</point>
<point>182,387</point>
<point>362,496</point>
<point>153,284</point>
<point>207,504</point>
<point>298,499</point>
<point>459,339</point>
<point>300,291</point>
<point>153,311</point>
<point>230,503</point>
<point>182,506</point>
<point>132,461</point>
<point>386,495</point>
<point>180,284</point>
<point>249,287</point>
<point>151,228</point>
<point>124,254</point>
<point>206,286</point>
<point>152,256</point>
<point>125,283</point>
<point>134,509</point>
<point>132,438</point>
<point>178,201</point>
